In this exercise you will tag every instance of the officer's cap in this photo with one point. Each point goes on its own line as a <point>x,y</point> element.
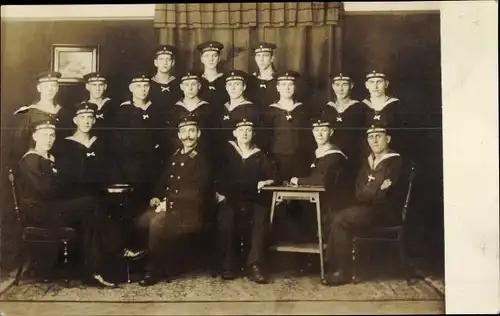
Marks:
<point>188,120</point>
<point>210,46</point>
<point>287,75</point>
<point>264,47</point>
<point>166,49</point>
<point>341,77</point>
<point>236,75</point>
<point>85,107</point>
<point>375,74</point>
<point>48,76</point>
<point>94,77</point>
<point>139,77</point>
<point>190,74</point>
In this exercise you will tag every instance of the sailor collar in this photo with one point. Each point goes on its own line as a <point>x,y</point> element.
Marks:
<point>257,75</point>
<point>331,150</point>
<point>294,106</point>
<point>230,108</point>
<point>90,143</point>
<point>200,103</point>
<point>220,74</point>
<point>37,107</point>
<point>34,152</point>
<point>100,104</point>
<point>170,79</point>
<point>341,108</point>
<point>253,151</point>
<point>389,101</point>
<point>146,106</point>
<point>371,159</point>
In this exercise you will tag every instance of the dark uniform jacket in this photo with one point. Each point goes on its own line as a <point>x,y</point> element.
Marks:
<point>370,179</point>
<point>214,92</point>
<point>238,179</point>
<point>261,92</point>
<point>185,186</point>
<point>140,138</point>
<point>393,117</point>
<point>349,127</point>
<point>84,169</point>
<point>165,94</point>
<point>103,126</point>
<point>38,178</point>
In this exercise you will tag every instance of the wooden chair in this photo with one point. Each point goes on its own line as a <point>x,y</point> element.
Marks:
<point>34,235</point>
<point>395,234</point>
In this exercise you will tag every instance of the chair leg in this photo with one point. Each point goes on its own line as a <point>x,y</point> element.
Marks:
<point>353,265</point>
<point>20,268</point>
<point>67,280</point>
<point>404,260</point>
<point>127,263</point>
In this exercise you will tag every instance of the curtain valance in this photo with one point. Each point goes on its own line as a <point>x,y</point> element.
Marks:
<point>246,15</point>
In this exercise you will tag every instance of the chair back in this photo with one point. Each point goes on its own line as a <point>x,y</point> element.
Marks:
<point>19,216</point>
<point>408,193</point>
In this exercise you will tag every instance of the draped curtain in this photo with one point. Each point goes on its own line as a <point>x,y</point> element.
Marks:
<point>308,34</point>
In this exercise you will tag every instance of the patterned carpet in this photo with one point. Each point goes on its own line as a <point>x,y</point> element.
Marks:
<point>206,288</point>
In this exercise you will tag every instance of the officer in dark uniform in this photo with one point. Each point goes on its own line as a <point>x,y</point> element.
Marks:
<point>385,108</point>
<point>212,82</point>
<point>262,84</point>
<point>45,109</point>
<point>164,85</point>
<point>45,204</point>
<point>378,193</point>
<point>243,209</point>
<point>177,206</point>
<point>82,160</point>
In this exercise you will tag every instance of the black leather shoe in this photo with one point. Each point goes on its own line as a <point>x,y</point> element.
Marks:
<point>336,278</point>
<point>228,274</point>
<point>256,274</point>
<point>148,280</point>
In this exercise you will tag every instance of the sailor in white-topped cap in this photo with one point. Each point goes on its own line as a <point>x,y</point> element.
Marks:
<point>212,82</point>
<point>262,84</point>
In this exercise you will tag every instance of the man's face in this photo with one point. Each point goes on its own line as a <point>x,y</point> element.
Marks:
<point>189,135</point>
<point>190,88</point>
<point>264,60</point>
<point>140,90</point>
<point>84,122</point>
<point>342,88</point>
<point>379,142</point>
<point>48,90</point>
<point>286,88</point>
<point>235,88</point>
<point>377,86</point>
<point>96,89</point>
<point>44,138</point>
<point>243,134</point>
<point>322,134</point>
<point>210,59</point>
<point>164,63</point>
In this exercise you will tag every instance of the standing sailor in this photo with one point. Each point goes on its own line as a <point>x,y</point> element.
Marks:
<point>262,84</point>
<point>164,85</point>
<point>212,82</point>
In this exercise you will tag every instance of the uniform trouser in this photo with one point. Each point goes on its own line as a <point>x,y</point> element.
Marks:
<point>342,225</point>
<point>165,242</point>
<point>238,221</point>
<point>84,213</point>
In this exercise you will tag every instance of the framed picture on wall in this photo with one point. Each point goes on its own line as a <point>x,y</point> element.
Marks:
<point>74,61</point>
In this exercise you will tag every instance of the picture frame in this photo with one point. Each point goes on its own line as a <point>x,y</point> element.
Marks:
<point>74,61</point>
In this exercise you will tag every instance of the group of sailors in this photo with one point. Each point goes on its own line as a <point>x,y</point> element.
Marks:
<point>197,150</point>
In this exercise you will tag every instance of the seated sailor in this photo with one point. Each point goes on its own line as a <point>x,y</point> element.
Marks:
<point>377,194</point>
<point>243,209</point>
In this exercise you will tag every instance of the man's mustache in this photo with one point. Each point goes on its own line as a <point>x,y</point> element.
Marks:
<point>188,138</point>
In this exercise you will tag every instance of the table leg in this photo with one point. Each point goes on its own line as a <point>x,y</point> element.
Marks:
<point>273,205</point>
<point>320,236</point>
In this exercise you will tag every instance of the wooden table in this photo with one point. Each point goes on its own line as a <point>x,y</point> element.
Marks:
<point>304,193</point>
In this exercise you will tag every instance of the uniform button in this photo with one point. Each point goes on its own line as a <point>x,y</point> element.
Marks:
<point>171,176</point>
<point>168,188</point>
<point>182,164</point>
<point>176,191</point>
<point>178,177</point>
<point>173,163</point>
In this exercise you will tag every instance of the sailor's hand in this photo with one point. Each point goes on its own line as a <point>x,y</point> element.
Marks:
<point>162,207</point>
<point>154,202</point>
<point>294,181</point>
<point>387,183</point>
